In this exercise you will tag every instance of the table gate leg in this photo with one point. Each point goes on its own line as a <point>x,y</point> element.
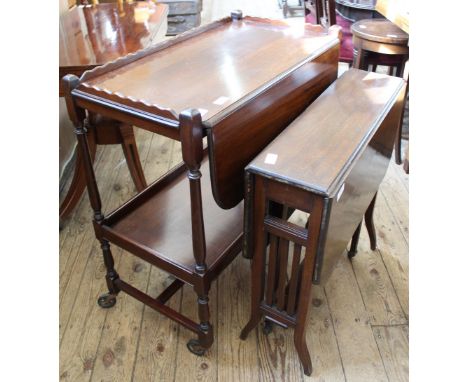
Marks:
<point>369,219</point>
<point>354,242</point>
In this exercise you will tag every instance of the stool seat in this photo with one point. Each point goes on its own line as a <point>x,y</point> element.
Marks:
<point>379,30</point>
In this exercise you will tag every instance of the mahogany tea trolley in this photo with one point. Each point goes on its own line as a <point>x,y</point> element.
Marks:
<point>239,82</point>
<point>342,147</point>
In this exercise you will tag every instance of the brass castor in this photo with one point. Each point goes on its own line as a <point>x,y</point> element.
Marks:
<point>194,346</point>
<point>267,327</point>
<point>351,254</point>
<point>107,300</point>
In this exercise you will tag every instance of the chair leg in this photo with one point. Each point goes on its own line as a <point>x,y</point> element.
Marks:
<point>130,151</point>
<point>354,242</point>
<point>369,220</point>
<point>204,341</point>
<point>108,300</point>
<point>78,183</point>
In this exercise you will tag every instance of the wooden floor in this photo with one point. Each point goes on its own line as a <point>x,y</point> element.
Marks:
<point>358,325</point>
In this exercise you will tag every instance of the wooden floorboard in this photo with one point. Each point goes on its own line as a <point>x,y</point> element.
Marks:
<point>358,321</point>
<point>393,347</point>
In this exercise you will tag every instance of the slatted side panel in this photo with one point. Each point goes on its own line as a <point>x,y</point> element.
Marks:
<point>283,270</point>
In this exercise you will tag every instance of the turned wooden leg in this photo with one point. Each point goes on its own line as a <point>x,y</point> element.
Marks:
<point>369,219</point>
<point>78,183</point>
<point>354,242</point>
<point>204,341</point>
<point>130,151</point>
<point>108,300</point>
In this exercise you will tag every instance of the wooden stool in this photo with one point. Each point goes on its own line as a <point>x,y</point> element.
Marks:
<point>380,42</point>
<point>329,163</point>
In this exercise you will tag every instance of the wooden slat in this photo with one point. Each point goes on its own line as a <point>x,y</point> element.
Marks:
<point>292,292</point>
<point>393,346</point>
<point>376,288</point>
<point>284,229</point>
<point>283,268</point>
<point>271,277</point>
<point>358,349</point>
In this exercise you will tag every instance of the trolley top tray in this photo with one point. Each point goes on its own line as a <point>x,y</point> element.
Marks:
<point>215,68</point>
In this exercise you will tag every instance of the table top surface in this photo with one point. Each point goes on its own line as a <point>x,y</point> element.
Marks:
<point>92,35</point>
<point>331,133</point>
<point>379,30</point>
<point>212,69</point>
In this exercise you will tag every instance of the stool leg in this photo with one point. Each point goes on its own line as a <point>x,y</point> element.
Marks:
<point>358,58</point>
<point>354,242</point>
<point>108,300</point>
<point>399,70</point>
<point>369,219</point>
<point>130,151</point>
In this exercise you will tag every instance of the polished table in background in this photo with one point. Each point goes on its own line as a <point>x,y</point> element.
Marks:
<point>93,35</point>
